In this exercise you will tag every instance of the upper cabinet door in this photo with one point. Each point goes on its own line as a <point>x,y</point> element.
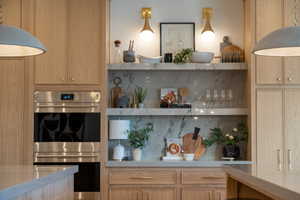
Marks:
<point>50,26</point>
<point>270,133</point>
<point>291,64</point>
<point>269,17</point>
<point>292,129</point>
<point>85,41</point>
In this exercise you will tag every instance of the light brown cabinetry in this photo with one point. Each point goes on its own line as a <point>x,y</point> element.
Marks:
<point>278,116</point>
<point>71,30</point>
<point>196,193</point>
<point>159,193</point>
<point>138,193</point>
<point>292,130</point>
<point>269,17</point>
<point>291,64</point>
<point>269,132</point>
<point>14,89</point>
<point>124,193</point>
<point>272,15</point>
<point>12,80</point>
<point>167,184</point>
<point>192,193</point>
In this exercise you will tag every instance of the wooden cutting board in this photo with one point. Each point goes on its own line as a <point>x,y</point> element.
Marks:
<point>193,146</point>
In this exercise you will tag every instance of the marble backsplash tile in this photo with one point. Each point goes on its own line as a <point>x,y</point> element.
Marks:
<point>197,82</point>
<point>165,127</point>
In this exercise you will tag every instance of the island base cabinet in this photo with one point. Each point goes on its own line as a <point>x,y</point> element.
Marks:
<point>200,193</point>
<point>131,193</point>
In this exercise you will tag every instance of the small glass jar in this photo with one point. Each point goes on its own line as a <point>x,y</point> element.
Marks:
<point>117,52</point>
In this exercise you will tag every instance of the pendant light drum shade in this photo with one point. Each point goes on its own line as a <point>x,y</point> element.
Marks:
<point>15,42</point>
<point>282,42</point>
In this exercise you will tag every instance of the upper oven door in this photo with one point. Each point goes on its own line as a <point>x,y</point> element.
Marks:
<point>67,127</point>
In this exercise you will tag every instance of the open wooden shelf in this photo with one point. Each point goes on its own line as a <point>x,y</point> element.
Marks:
<point>178,67</point>
<point>176,112</point>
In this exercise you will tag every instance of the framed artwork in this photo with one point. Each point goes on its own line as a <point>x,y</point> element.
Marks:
<point>176,36</point>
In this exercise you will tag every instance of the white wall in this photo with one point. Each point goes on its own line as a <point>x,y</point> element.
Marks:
<point>125,21</point>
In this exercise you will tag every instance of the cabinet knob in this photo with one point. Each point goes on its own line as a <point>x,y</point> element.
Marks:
<point>72,79</point>
<point>289,79</point>
<point>278,79</point>
<point>63,79</point>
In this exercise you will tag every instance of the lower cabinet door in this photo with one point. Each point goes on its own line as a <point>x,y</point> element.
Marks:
<point>197,193</point>
<point>220,194</point>
<point>159,193</point>
<point>125,193</point>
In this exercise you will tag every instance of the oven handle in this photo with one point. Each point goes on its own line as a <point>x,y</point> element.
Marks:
<point>66,156</point>
<point>65,106</point>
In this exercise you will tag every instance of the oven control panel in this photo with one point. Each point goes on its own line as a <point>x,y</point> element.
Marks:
<point>66,96</point>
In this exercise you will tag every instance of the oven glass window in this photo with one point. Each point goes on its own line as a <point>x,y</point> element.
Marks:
<point>67,127</point>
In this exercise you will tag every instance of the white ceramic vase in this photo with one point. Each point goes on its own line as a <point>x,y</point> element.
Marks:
<point>137,154</point>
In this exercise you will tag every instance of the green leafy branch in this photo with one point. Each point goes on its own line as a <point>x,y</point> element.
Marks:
<point>237,135</point>
<point>138,137</point>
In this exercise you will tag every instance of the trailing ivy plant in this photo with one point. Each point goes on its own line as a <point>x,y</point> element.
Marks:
<point>139,137</point>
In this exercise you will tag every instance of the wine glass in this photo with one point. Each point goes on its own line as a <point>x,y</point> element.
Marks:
<point>229,96</point>
<point>215,97</point>
<point>223,97</point>
<point>208,97</point>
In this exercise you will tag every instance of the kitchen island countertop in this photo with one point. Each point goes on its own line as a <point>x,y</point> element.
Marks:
<point>279,187</point>
<point>16,180</point>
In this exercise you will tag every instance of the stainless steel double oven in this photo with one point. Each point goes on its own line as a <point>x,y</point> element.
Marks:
<point>67,131</point>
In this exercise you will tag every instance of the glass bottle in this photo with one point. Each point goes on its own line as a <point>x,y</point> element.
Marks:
<point>117,53</point>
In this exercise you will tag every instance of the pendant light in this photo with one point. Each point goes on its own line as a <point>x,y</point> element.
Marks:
<point>15,42</point>
<point>147,33</point>
<point>282,42</point>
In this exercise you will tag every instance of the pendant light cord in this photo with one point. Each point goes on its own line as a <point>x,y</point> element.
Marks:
<point>295,12</point>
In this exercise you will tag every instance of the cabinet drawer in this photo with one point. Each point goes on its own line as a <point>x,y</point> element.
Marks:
<point>203,176</point>
<point>139,176</point>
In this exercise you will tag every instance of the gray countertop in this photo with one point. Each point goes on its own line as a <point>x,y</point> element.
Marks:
<point>160,164</point>
<point>284,187</point>
<point>18,179</point>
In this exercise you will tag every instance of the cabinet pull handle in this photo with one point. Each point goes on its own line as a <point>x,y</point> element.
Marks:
<point>212,177</point>
<point>279,160</point>
<point>290,152</point>
<point>142,178</point>
<point>210,196</point>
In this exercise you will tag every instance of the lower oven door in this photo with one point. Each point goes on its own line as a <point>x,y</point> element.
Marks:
<point>86,180</point>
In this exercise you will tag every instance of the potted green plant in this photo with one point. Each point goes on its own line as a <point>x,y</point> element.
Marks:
<point>230,141</point>
<point>184,56</point>
<point>140,95</point>
<point>138,139</point>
